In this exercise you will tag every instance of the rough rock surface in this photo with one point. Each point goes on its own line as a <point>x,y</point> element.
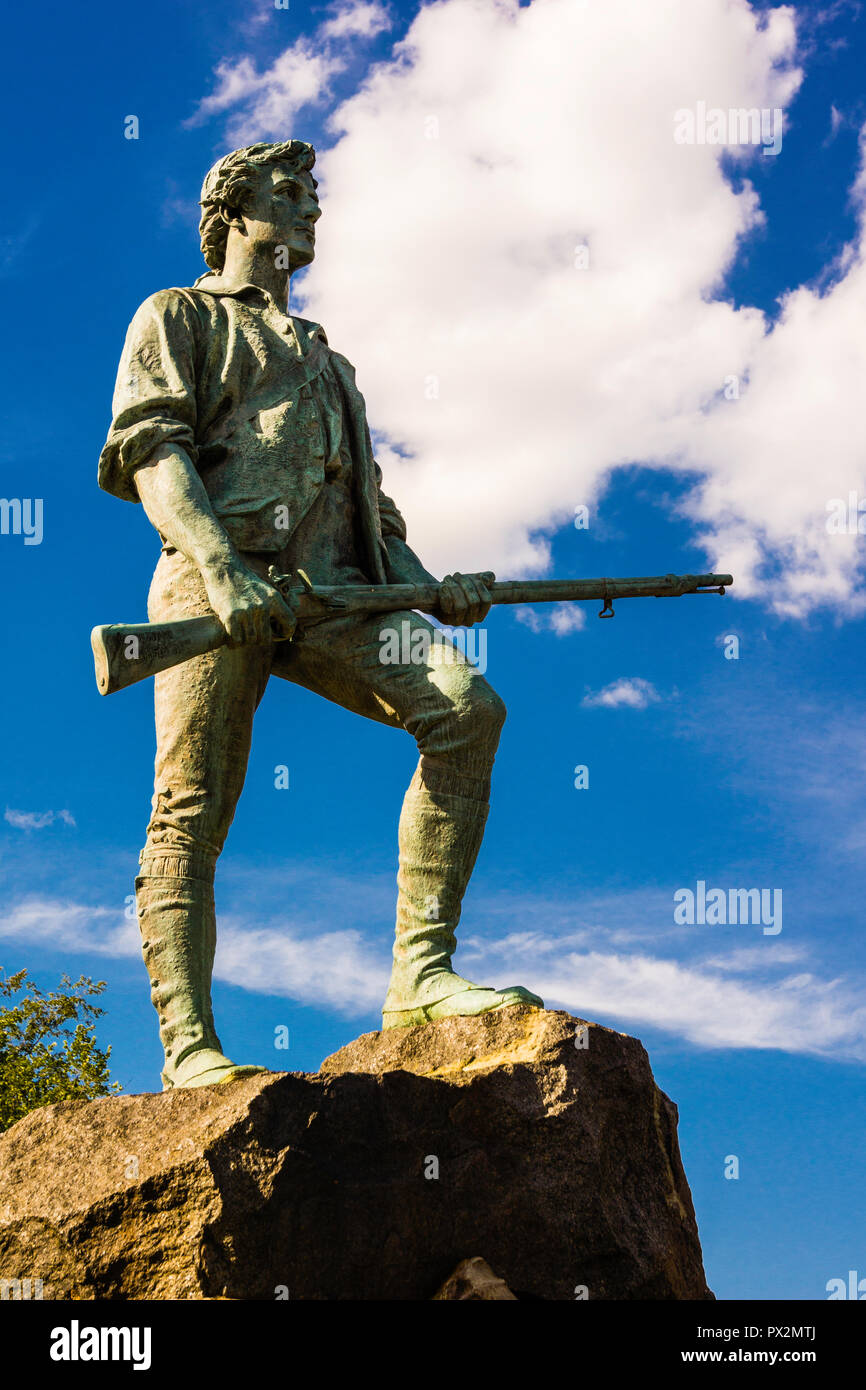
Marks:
<point>474,1280</point>
<point>532,1139</point>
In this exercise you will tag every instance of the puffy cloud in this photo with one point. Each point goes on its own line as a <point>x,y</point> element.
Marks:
<point>629,692</point>
<point>528,269</point>
<point>782,461</point>
<point>521,260</point>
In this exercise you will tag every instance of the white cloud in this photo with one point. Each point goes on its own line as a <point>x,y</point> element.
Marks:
<point>629,692</point>
<point>348,972</point>
<point>799,1013</point>
<point>562,619</point>
<point>36,820</point>
<point>506,382</point>
<point>269,100</point>
<point>747,958</point>
<point>361,18</point>
<point>266,104</point>
<point>694,999</point>
<point>59,924</point>
<point>338,970</point>
<point>509,382</point>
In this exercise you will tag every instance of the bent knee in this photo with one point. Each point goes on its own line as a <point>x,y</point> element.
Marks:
<point>487,707</point>
<point>466,723</point>
<point>481,713</point>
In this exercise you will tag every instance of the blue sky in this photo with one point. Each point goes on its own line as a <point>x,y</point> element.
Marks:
<point>738,773</point>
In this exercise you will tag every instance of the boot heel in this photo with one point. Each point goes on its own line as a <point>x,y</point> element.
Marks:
<point>404,1018</point>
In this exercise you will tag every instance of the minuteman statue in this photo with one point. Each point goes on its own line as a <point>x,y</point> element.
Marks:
<point>244,437</point>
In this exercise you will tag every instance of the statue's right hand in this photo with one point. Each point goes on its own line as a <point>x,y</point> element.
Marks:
<point>249,608</point>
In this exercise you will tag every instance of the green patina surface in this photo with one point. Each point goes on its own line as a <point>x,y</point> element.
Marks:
<point>243,435</point>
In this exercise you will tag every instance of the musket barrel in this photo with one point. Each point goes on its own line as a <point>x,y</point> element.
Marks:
<point>373,598</point>
<point>563,590</point>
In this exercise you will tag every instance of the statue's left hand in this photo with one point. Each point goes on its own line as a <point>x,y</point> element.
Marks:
<point>464,599</point>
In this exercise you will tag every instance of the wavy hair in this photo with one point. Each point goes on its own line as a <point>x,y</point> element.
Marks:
<point>231,181</point>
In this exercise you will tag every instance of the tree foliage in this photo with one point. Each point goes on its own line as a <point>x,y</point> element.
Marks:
<point>48,1051</point>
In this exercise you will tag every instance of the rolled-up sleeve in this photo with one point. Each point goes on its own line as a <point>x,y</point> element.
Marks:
<point>154,397</point>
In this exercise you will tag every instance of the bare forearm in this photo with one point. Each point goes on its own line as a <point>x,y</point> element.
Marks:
<point>404,567</point>
<point>176,503</point>
<point>174,498</point>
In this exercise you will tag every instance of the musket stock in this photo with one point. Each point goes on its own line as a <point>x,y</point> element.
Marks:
<point>125,653</point>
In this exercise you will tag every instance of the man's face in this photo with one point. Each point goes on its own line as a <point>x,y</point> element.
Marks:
<point>283,211</point>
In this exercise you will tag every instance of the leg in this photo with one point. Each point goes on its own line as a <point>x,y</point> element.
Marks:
<point>456,719</point>
<point>204,713</point>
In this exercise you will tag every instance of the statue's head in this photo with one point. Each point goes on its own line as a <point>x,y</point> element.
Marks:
<point>263,190</point>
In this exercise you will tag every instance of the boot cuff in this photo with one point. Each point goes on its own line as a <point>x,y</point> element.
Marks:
<point>168,865</point>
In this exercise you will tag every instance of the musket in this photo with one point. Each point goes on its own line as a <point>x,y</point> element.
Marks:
<point>125,653</point>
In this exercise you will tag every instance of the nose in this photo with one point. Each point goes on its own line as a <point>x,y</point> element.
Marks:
<point>311,210</point>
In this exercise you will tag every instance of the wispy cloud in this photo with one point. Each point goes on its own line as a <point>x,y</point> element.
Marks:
<point>265,103</point>
<point>629,692</point>
<point>763,996</point>
<point>798,1013</point>
<point>59,924</point>
<point>361,18</point>
<point>817,769</point>
<point>339,970</point>
<point>14,245</point>
<point>36,820</point>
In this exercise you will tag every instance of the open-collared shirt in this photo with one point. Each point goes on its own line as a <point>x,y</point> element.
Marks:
<point>266,411</point>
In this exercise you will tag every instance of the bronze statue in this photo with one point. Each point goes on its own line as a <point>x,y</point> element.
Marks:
<point>245,438</point>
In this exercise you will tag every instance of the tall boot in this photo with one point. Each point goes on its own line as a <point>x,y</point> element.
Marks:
<point>440,835</point>
<point>177,919</point>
